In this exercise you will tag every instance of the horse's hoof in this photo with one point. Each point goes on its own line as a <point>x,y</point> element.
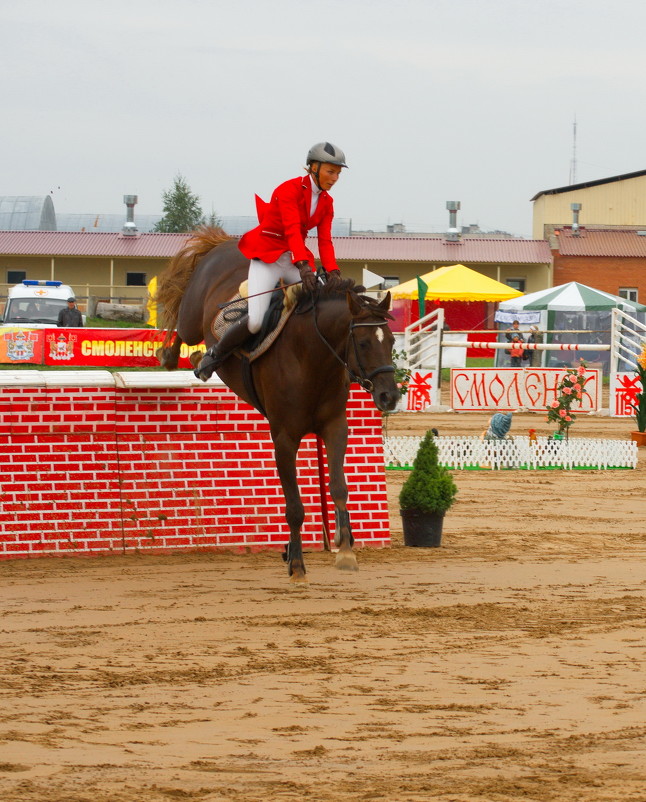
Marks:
<point>298,579</point>
<point>195,358</point>
<point>346,561</point>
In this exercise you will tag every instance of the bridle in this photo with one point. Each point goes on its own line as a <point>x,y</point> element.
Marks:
<point>362,379</point>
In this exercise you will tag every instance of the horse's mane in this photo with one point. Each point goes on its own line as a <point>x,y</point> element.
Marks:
<point>172,283</point>
<point>339,290</point>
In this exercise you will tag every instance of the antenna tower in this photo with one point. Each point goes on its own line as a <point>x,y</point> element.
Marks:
<point>573,161</point>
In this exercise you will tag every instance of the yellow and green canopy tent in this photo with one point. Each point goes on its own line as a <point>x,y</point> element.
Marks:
<point>455,283</point>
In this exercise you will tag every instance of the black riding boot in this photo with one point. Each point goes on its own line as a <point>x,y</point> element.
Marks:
<point>233,338</point>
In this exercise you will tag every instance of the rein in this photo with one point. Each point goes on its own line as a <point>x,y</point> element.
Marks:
<point>363,380</point>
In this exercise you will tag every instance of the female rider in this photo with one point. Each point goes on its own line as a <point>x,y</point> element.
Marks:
<point>276,247</point>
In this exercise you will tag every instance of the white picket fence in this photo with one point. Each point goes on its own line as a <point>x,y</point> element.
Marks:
<point>519,452</point>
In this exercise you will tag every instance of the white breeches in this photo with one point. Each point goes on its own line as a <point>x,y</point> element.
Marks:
<point>264,277</point>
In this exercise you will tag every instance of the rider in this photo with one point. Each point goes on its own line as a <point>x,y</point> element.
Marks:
<point>276,247</point>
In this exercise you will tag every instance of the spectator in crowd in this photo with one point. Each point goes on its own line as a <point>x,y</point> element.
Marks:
<point>535,357</point>
<point>517,351</point>
<point>511,332</point>
<point>70,317</point>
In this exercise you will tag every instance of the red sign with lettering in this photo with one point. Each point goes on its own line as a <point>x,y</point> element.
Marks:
<point>106,348</point>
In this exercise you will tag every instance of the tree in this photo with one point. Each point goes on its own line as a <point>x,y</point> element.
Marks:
<point>182,210</point>
<point>214,221</point>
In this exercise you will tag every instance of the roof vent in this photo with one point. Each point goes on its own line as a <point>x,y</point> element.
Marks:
<point>129,227</point>
<point>576,208</point>
<point>452,234</point>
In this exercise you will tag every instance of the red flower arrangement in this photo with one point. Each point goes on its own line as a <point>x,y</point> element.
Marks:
<point>570,389</point>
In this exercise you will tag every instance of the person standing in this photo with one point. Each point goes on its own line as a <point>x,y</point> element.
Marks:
<point>535,357</point>
<point>516,351</point>
<point>70,317</point>
<point>513,331</point>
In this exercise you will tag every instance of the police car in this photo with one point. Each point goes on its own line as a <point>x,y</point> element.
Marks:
<point>36,304</point>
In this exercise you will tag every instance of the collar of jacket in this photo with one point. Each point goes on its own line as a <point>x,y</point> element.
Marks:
<point>307,186</point>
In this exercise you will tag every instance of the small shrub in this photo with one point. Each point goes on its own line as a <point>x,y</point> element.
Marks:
<point>430,487</point>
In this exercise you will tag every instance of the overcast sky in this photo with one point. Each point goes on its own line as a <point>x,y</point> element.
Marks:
<point>469,100</point>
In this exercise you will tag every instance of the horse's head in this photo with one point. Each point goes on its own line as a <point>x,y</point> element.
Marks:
<point>370,349</point>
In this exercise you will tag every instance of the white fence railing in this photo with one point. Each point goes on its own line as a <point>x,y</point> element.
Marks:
<point>461,453</point>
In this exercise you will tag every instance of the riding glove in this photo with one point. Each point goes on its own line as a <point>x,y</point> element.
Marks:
<point>307,275</point>
<point>333,277</point>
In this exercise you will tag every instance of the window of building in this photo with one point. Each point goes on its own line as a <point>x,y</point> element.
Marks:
<point>16,276</point>
<point>136,280</point>
<point>390,281</point>
<point>516,284</point>
<point>629,293</point>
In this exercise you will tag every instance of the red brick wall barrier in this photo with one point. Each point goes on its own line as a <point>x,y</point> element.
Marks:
<point>91,466</point>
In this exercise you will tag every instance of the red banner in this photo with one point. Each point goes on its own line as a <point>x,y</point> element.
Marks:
<point>106,348</point>
<point>21,346</point>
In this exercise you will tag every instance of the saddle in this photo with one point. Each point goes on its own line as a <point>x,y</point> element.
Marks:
<point>281,306</point>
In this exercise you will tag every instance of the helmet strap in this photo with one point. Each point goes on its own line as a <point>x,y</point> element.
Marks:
<point>315,173</point>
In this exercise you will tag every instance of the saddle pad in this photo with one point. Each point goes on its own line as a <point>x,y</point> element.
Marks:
<point>237,307</point>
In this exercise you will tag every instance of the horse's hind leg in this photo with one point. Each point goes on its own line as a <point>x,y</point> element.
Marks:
<point>285,450</point>
<point>336,439</point>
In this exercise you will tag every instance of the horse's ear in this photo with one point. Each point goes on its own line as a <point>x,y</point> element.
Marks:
<point>385,307</point>
<point>385,304</point>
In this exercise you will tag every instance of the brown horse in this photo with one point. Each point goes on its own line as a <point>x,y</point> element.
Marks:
<point>302,382</point>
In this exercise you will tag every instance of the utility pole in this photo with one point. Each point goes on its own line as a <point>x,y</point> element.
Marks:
<point>573,161</point>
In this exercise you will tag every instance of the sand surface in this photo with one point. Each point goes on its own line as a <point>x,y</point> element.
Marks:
<point>509,664</point>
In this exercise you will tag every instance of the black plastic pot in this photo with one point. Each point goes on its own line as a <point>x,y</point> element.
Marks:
<point>422,528</point>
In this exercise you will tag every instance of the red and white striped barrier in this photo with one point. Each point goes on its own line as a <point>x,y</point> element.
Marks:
<point>529,346</point>
<point>99,463</point>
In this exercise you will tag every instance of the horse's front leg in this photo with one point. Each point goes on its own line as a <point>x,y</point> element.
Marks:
<point>169,357</point>
<point>335,438</point>
<point>286,449</point>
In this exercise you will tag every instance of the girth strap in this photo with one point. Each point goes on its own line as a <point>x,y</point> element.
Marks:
<point>250,387</point>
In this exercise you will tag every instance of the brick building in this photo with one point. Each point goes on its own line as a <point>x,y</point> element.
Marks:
<point>613,260</point>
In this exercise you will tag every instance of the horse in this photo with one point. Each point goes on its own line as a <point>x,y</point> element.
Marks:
<point>301,383</point>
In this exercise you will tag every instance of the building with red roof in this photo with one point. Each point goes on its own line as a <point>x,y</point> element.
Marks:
<point>113,265</point>
<point>609,259</point>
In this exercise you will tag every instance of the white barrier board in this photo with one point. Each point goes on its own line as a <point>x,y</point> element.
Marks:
<point>474,389</point>
<point>623,393</point>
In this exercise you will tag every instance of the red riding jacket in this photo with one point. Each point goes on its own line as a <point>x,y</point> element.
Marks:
<point>285,221</point>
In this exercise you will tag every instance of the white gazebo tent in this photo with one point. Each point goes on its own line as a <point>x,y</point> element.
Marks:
<point>569,307</point>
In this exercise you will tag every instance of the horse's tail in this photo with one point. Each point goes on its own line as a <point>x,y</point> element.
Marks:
<point>172,283</point>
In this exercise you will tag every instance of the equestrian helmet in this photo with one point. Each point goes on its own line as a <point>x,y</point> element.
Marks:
<point>326,152</point>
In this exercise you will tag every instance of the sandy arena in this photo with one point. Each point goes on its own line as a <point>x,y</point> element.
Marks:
<point>510,664</point>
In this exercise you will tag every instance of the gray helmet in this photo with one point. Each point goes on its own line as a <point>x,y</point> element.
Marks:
<point>326,152</point>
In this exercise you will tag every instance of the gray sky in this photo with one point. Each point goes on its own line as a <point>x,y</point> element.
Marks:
<point>469,100</point>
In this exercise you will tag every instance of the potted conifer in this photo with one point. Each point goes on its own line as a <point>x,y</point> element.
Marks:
<point>426,496</point>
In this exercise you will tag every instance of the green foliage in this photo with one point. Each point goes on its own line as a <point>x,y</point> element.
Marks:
<point>640,398</point>
<point>182,210</point>
<point>214,221</point>
<point>102,323</point>
<point>402,371</point>
<point>430,487</point>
